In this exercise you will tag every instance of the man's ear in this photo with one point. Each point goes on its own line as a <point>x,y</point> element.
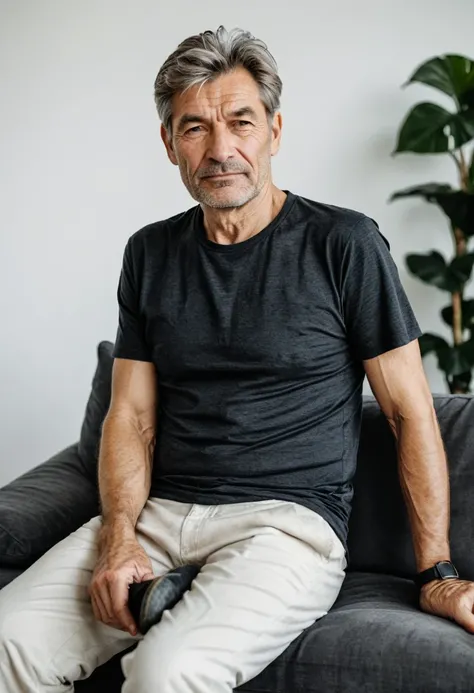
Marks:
<point>276,127</point>
<point>168,144</point>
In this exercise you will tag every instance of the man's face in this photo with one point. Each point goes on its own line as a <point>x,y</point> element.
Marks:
<point>222,140</point>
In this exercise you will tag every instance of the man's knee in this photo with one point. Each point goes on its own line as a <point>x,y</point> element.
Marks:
<point>24,663</point>
<point>18,653</point>
<point>177,670</point>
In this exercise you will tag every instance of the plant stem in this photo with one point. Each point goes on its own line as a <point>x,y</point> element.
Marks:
<point>456,161</point>
<point>460,248</point>
<point>463,171</point>
<point>457,317</point>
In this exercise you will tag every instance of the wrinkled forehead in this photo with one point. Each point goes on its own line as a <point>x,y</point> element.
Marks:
<point>222,97</point>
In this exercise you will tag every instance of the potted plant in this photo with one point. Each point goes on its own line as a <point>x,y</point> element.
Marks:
<point>430,129</point>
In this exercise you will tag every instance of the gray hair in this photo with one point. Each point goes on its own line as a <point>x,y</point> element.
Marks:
<point>210,54</point>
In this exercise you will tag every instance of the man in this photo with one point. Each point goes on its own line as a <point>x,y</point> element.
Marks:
<point>246,327</point>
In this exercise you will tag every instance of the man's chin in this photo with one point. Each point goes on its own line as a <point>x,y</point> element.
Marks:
<point>223,204</point>
<point>224,198</point>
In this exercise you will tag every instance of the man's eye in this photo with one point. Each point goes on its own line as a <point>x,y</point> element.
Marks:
<point>243,123</point>
<point>195,128</point>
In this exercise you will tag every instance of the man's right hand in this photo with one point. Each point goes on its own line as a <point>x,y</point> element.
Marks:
<point>122,561</point>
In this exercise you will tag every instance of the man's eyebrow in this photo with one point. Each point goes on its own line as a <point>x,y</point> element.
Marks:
<point>195,118</point>
<point>189,118</point>
<point>244,111</point>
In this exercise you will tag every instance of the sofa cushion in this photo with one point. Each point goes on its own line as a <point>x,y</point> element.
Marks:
<point>96,409</point>
<point>376,640</point>
<point>379,532</point>
<point>43,506</point>
<point>8,574</point>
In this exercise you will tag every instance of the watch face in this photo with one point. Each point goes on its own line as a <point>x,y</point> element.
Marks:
<point>446,570</point>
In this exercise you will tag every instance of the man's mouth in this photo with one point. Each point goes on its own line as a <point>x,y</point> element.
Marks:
<point>225,175</point>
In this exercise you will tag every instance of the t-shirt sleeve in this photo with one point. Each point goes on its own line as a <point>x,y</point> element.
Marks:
<point>376,310</point>
<point>130,342</point>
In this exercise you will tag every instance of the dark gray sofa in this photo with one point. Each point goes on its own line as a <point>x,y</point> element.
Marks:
<point>375,639</point>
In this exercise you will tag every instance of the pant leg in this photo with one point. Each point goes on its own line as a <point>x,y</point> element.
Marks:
<point>49,636</point>
<point>271,570</point>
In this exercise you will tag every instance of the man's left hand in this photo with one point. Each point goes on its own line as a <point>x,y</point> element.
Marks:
<point>452,599</point>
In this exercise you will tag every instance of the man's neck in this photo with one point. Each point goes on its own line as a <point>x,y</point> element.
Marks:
<point>227,226</point>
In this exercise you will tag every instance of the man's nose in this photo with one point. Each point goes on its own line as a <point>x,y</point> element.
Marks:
<point>219,145</point>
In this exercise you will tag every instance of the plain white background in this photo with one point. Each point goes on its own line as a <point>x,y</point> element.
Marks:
<point>83,166</point>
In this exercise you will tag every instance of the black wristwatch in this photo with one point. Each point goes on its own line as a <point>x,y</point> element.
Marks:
<point>444,570</point>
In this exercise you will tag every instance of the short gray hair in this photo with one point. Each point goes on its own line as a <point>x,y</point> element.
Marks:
<point>210,54</point>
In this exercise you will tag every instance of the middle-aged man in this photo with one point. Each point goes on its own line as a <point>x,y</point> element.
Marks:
<point>246,327</point>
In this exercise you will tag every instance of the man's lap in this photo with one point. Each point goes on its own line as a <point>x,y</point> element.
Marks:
<point>268,570</point>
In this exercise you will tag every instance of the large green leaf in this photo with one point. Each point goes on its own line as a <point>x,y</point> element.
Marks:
<point>429,191</point>
<point>461,267</point>
<point>467,99</point>
<point>468,351</point>
<point>453,360</point>
<point>431,342</point>
<point>452,74</point>
<point>459,208</point>
<point>461,382</point>
<point>467,311</point>
<point>431,129</point>
<point>471,175</point>
<point>458,205</point>
<point>432,269</point>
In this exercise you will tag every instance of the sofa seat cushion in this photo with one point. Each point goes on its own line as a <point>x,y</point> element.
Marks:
<point>375,639</point>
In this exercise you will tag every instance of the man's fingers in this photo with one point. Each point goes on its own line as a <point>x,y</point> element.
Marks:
<point>95,610</point>
<point>98,609</point>
<point>465,618</point>
<point>104,597</point>
<point>119,594</point>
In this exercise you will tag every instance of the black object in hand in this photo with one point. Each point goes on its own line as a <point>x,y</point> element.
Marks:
<point>147,600</point>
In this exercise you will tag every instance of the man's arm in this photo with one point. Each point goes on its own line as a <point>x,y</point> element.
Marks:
<point>125,463</point>
<point>398,381</point>
<point>399,384</point>
<point>127,443</point>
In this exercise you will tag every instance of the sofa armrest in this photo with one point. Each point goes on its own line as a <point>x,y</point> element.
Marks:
<point>43,506</point>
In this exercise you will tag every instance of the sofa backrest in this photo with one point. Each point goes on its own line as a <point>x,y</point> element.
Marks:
<point>379,532</point>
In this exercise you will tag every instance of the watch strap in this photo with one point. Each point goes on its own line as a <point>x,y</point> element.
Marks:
<point>443,570</point>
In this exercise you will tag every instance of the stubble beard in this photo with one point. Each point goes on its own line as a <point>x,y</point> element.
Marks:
<point>211,198</point>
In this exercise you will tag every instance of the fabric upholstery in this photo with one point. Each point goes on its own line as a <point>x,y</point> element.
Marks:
<point>96,409</point>
<point>379,534</point>
<point>8,574</point>
<point>43,506</point>
<point>375,640</point>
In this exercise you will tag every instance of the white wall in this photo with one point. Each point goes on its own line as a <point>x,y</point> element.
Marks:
<point>83,166</point>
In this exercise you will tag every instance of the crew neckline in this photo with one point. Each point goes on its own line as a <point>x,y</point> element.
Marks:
<point>200,231</point>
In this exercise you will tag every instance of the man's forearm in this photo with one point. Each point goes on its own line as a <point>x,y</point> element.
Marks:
<point>424,480</point>
<point>124,473</point>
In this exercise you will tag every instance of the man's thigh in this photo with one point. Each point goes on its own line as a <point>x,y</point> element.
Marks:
<point>252,598</point>
<point>48,633</point>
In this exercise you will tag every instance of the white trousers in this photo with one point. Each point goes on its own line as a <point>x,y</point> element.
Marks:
<point>269,570</point>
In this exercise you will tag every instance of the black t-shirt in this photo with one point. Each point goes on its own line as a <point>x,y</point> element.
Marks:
<point>258,348</point>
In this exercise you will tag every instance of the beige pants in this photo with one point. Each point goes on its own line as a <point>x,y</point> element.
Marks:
<point>269,570</point>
